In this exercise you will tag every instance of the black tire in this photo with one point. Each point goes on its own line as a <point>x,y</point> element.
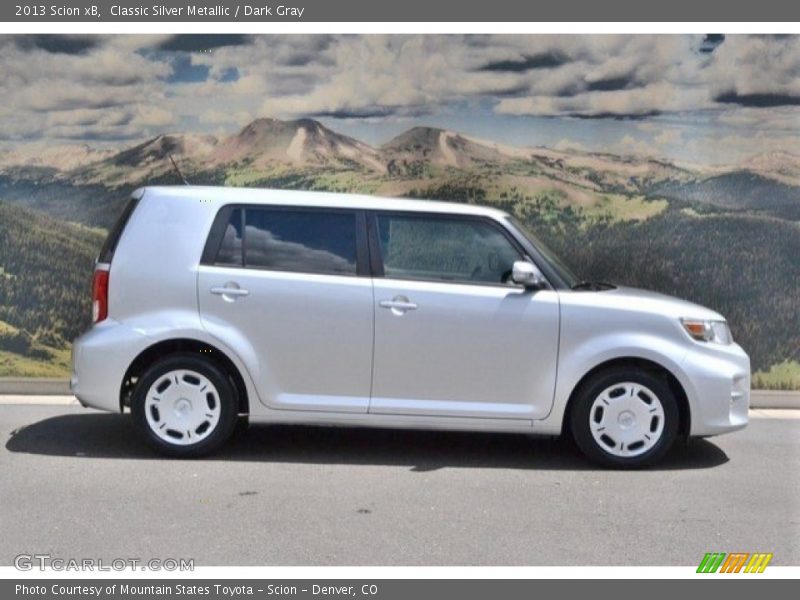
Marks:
<point>228,406</point>
<point>582,405</point>
<point>242,425</point>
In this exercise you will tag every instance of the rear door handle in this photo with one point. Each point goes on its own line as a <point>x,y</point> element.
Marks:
<point>398,305</point>
<point>229,293</point>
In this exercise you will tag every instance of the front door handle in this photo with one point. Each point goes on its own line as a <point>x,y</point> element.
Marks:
<point>398,305</point>
<point>230,291</point>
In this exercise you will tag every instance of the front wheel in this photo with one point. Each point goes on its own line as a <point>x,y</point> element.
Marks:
<point>185,406</point>
<point>625,418</point>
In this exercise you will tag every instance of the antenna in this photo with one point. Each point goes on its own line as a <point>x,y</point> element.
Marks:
<point>177,170</point>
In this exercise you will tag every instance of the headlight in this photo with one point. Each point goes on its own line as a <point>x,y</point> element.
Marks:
<point>704,330</point>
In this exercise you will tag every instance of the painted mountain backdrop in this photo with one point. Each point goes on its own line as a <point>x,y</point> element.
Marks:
<point>724,236</point>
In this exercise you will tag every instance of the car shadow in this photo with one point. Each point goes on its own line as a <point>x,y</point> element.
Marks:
<point>113,436</point>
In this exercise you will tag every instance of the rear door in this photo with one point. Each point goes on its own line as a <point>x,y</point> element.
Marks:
<point>453,338</point>
<point>288,289</point>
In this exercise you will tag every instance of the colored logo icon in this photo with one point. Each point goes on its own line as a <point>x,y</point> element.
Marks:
<point>736,562</point>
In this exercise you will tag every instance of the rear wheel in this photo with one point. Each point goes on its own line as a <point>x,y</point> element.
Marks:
<point>185,406</point>
<point>625,418</point>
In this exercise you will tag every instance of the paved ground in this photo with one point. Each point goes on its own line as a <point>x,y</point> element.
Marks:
<point>76,483</point>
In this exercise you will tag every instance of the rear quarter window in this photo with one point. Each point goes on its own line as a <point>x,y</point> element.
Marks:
<point>110,245</point>
<point>230,248</point>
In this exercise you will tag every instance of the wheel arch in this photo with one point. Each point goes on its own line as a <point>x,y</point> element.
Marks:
<point>168,347</point>
<point>684,409</point>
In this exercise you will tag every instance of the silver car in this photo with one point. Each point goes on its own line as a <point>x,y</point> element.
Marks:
<point>216,305</point>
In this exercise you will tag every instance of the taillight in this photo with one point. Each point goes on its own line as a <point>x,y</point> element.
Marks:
<point>99,295</point>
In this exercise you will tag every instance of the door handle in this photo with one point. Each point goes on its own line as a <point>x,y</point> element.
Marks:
<point>229,293</point>
<point>226,291</point>
<point>398,305</point>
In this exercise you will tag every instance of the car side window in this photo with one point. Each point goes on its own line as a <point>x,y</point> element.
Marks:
<point>445,249</point>
<point>230,249</point>
<point>278,239</point>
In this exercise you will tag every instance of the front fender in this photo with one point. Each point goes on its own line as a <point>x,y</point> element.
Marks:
<point>579,357</point>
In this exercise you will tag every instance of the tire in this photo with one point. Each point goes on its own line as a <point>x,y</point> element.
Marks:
<point>185,406</point>
<point>241,426</point>
<point>624,418</point>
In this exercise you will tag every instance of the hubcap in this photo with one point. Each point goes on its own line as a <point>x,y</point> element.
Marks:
<point>182,407</point>
<point>626,419</point>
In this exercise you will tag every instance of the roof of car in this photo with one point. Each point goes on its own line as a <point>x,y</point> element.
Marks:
<point>234,195</point>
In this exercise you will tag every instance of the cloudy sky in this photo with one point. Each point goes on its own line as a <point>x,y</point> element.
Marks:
<point>709,99</point>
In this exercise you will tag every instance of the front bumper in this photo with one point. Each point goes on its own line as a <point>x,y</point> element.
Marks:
<point>100,358</point>
<point>718,388</point>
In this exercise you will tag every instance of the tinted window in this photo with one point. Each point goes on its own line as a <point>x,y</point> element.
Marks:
<point>230,248</point>
<point>110,245</point>
<point>296,240</point>
<point>459,250</point>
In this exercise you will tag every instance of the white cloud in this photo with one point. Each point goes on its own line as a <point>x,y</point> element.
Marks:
<point>105,91</point>
<point>153,116</point>
<point>217,117</point>
<point>629,145</point>
<point>668,137</point>
<point>566,145</point>
<point>119,87</point>
<point>757,65</point>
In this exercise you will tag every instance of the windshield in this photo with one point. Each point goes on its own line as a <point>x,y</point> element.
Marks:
<point>558,265</point>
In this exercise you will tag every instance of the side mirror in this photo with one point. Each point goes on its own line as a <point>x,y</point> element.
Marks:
<point>526,274</point>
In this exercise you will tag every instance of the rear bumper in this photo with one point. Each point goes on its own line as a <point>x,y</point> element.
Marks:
<point>100,357</point>
<point>718,388</point>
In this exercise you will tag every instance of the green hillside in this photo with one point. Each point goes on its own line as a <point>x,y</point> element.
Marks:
<point>782,376</point>
<point>45,279</point>
<point>42,190</point>
<point>741,190</point>
<point>21,356</point>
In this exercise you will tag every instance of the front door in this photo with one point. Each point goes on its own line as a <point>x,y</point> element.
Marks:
<point>453,337</point>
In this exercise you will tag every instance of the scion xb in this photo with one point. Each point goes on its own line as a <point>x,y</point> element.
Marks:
<point>216,305</point>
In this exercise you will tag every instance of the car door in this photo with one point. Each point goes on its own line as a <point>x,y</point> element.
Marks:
<point>289,290</point>
<point>453,338</point>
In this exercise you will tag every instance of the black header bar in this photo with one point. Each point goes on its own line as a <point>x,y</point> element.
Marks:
<point>405,11</point>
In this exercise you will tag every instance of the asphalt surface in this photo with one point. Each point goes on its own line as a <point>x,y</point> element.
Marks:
<point>76,483</point>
